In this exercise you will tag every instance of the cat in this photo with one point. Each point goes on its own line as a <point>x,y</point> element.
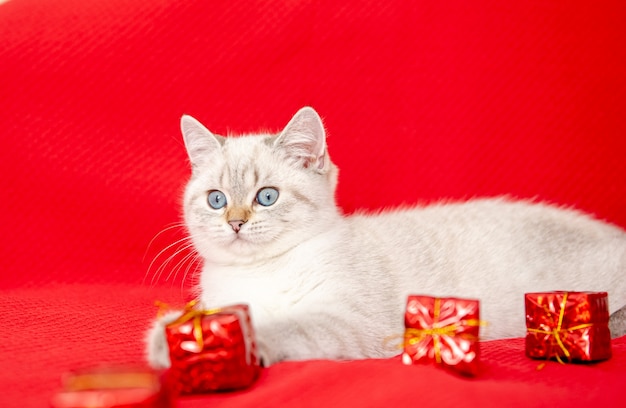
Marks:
<point>260,210</point>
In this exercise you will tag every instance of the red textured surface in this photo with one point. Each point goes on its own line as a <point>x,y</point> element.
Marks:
<point>423,101</point>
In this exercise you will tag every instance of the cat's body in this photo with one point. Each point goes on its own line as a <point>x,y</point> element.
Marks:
<point>324,285</point>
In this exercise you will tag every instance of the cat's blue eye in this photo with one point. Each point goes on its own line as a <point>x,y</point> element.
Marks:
<point>267,196</point>
<point>216,199</point>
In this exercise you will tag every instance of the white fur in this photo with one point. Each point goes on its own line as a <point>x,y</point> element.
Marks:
<point>324,285</point>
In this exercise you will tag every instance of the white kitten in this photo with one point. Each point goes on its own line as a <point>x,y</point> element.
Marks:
<point>260,210</point>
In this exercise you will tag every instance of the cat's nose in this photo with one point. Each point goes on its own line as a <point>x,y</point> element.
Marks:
<point>236,224</point>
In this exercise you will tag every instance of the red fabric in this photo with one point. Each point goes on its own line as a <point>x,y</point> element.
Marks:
<point>423,101</point>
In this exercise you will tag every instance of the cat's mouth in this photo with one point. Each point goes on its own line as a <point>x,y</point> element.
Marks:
<point>239,239</point>
<point>241,245</point>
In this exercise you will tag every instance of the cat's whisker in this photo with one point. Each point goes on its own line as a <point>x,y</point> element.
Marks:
<point>149,269</point>
<point>180,263</point>
<point>168,228</point>
<point>156,274</point>
<point>181,245</point>
<point>195,261</point>
<point>170,246</point>
<point>181,248</point>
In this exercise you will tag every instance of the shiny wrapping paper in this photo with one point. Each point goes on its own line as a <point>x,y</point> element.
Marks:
<point>212,350</point>
<point>112,387</point>
<point>568,326</point>
<point>442,331</point>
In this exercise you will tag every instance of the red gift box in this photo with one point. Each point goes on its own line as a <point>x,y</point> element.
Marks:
<point>112,387</point>
<point>444,331</point>
<point>570,326</point>
<point>212,350</point>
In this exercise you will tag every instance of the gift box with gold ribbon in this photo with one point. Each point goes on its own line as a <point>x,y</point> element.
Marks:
<point>443,331</point>
<point>112,387</point>
<point>212,350</point>
<point>568,326</point>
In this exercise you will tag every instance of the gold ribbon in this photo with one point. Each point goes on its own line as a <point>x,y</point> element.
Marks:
<point>190,312</point>
<point>413,336</point>
<point>556,332</point>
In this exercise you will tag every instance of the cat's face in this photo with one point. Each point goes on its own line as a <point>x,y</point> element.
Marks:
<point>255,197</point>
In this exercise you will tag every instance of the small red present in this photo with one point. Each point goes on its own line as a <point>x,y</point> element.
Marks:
<point>444,331</point>
<point>111,387</point>
<point>570,326</point>
<point>212,350</point>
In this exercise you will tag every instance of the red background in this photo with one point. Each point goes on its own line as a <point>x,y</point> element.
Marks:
<point>423,101</point>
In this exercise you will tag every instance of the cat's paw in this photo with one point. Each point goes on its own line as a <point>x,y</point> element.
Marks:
<point>157,350</point>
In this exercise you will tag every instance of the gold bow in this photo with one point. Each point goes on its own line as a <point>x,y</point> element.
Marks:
<point>191,312</point>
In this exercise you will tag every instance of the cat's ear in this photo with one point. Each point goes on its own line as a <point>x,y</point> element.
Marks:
<point>199,141</point>
<point>304,140</point>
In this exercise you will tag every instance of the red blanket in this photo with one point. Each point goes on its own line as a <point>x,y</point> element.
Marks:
<point>423,101</point>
